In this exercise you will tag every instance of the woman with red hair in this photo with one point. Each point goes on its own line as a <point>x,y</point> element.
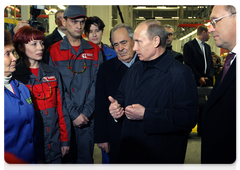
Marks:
<point>47,91</point>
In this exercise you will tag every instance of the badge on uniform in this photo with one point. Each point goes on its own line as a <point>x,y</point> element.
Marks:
<point>29,100</point>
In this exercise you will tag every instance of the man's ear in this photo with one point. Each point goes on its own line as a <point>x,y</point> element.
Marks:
<point>21,48</point>
<point>156,41</point>
<point>64,22</point>
<point>203,33</point>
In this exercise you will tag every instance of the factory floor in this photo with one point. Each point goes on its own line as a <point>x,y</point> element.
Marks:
<point>193,153</point>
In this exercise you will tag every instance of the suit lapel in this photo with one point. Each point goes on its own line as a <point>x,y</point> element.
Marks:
<point>197,46</point>
<point>219,89</point>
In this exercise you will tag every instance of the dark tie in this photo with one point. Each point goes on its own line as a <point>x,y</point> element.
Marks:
<point>227,64</point>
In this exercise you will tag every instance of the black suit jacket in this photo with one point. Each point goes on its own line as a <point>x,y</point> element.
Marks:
<point>194,58</point>
<point>219,121</point>
<point>50,40</point>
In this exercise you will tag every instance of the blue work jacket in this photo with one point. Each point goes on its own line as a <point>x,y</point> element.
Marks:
<point>108,53</point>
<point>20,127</point>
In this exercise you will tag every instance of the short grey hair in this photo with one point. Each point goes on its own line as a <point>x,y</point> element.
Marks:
<point>126,26</point>
<point>230,8</point>
<point>168,26</point>
<point>155,28</point>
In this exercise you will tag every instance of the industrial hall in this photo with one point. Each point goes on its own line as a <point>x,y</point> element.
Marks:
<point>120,84</point>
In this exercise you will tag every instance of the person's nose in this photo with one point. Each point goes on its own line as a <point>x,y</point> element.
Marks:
<point>121,47</point>
<point>40,47</point>
<point>135,47</point>
<point>13,57</point>
<point>211,29</point>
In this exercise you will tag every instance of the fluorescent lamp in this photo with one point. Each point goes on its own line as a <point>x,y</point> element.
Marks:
<point>195,31</point>
<point>61,7</point>
<point>53,10</point>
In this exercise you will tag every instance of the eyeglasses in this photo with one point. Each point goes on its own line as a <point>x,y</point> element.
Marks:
<point>59,18</point>
<point>214,21</point>
<point>70,68</point>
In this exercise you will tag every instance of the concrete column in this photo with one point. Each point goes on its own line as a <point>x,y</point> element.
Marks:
<point>51,22</point>
<point>25,12</point>
<point>104,12</point>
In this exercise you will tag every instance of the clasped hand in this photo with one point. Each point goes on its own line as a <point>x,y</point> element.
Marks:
<point>80,121</point>
<point>133,112</point>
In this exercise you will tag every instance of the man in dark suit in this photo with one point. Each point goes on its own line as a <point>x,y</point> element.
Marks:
<point>107,131</point>
<point>219,115</point>
<point>57,35</point>
<point>178,56</point>
<point>197,55</point>
<point>158,96</point>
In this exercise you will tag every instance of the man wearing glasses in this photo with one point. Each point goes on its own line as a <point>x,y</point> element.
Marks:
<point>170,33</point>
<point>55,36</point>
<point>219,115</point>
<point>78,61</point>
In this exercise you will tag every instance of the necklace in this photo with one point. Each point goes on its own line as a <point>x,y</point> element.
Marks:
<point>42,98</point>
<point>82,71</point>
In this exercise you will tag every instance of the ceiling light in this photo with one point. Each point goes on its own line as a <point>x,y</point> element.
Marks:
<point>53,10</point>
<point>61,7</point>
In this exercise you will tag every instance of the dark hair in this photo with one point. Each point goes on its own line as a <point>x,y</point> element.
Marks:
<point>201,28</point>
<point>24,35</point>
<point>58,11</point>
<point>7,38</point>
<point>95,21</point>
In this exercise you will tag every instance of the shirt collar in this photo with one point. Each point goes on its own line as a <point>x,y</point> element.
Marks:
<point>131,62</point>
<point>61,33</point>
<point>236,48</point>
<point>199,42</point>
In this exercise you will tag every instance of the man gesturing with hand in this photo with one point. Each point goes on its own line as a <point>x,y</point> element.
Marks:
<point>133,112</point>
<point>158,96</point>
